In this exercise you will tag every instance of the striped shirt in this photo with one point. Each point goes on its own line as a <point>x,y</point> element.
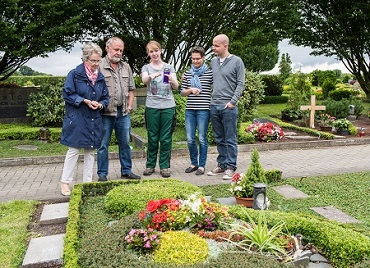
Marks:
<point>203,100</point>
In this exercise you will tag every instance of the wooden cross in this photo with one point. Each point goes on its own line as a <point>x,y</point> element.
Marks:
<point>312,109</point>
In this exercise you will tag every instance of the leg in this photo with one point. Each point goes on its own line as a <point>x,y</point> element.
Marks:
<point>166,123</point>
<point>122,130</point>
<point>102,153</point>
<point>203,122</point>
<point>152,119</point>
<point>88,165</point>
<point>69,169</point>
<point>70,163</point>
<point>190,126</point>
<point>230,120</point>
<point>219,134</point>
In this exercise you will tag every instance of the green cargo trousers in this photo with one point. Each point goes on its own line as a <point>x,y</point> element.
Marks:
<point>160,124</point>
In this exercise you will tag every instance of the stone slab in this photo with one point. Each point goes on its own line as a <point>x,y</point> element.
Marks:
<point>54,213</point>
<point>26,147</point>
<point>333,213</point>
<point>44,251</point>
<point>289,192</point>
<point>301,137</point>
<point>227,201</point>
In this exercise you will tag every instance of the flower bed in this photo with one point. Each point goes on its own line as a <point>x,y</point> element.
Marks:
<point>92,242</point>
<point>265,131</point>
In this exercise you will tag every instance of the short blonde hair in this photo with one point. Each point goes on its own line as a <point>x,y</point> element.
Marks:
<point>90,48</point>
<point>153,45</point>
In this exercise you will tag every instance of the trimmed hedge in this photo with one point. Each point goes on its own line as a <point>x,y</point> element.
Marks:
<point>126,199</point>
<point>344,247</point>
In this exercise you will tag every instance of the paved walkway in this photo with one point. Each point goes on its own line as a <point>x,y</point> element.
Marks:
<point>41,181</point>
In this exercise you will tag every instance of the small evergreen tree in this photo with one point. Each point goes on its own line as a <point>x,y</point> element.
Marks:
<point>285,67</point>
<point>255,174</point>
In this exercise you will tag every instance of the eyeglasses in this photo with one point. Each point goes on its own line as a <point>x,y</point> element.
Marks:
<point>196,59</point>
<point>94,61</point>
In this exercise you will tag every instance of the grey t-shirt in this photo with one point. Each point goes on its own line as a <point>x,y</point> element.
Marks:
<point>159,95</point>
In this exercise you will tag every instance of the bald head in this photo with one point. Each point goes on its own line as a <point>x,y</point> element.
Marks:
<point>222,38</point>
<point>220,45</point>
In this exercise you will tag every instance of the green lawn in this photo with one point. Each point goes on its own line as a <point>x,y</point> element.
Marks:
<point>14,219</point>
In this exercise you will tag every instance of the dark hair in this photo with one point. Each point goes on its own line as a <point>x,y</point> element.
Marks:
<point>198,49</point>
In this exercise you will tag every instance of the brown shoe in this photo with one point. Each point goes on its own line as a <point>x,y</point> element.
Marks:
<point>216,171</point>
<point>148,171</point>
<point>165,173</point>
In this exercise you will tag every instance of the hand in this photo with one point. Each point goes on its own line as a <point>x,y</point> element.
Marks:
<point>154,76</point>
<point>229,105</point>
<point>195,91</point>
<point>92,104</point>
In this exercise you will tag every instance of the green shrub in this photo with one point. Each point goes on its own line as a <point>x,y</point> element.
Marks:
<point>138,117</point>
<point>339,94</point>
<point>275,99</point>
<point>46,107</point>
<point>344,247</point>
<point>189,248</point>
<point>340,109</point>
<point>37,80</point>
<point>274,85</point>
<point>327,87</point>
<point>273,176</point>
<point>124,200</point>
<point>180,109</point>
<point>252,95</point>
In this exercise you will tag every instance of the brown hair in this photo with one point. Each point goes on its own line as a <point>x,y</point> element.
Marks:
<point>198,49</point>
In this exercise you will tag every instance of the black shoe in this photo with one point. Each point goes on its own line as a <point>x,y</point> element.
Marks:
<point>131,176</point>
<point>191,169</point>
<point>102,178</point>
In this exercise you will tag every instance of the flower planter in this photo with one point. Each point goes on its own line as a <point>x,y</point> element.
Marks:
<point>342,131</point>
<point>245,201</point>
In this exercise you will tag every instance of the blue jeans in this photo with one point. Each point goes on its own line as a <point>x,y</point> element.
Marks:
<point>197,119</point>
<point>121,125</point>
<point>224,126</point>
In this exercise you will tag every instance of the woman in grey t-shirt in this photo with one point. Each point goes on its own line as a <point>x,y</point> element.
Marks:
<point>160,112</point>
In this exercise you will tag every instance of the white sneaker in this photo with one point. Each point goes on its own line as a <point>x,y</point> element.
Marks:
<point>216,171</point>
<point>229,173</point>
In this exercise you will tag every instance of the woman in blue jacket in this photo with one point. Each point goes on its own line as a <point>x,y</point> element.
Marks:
<point>85,94</point>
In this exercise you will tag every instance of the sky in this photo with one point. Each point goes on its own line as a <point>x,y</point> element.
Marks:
<point>61,62</point>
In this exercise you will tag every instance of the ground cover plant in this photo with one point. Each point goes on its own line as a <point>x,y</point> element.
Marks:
<point>14,219</point>
<point>102,240</point>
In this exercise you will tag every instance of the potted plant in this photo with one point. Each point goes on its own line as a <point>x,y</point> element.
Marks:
<point>326,121</point>
<point>242,184</point>
<point>342,126</point>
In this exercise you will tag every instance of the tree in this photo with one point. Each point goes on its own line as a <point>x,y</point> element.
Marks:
<point>336,28</point>
<point>285,67</point>
<point>34,28</point>
<point>180,24</point>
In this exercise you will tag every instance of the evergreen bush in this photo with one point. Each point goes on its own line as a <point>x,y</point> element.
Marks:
<point>274,85</point>
<point>327,87</point>
<point>126,199</point>
<point>46,107</point>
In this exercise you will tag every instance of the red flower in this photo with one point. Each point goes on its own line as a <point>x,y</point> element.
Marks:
<point>236,177</point>
<point>153,205</point>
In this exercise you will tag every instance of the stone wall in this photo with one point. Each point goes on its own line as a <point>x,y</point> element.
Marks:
<point>13,104</point>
